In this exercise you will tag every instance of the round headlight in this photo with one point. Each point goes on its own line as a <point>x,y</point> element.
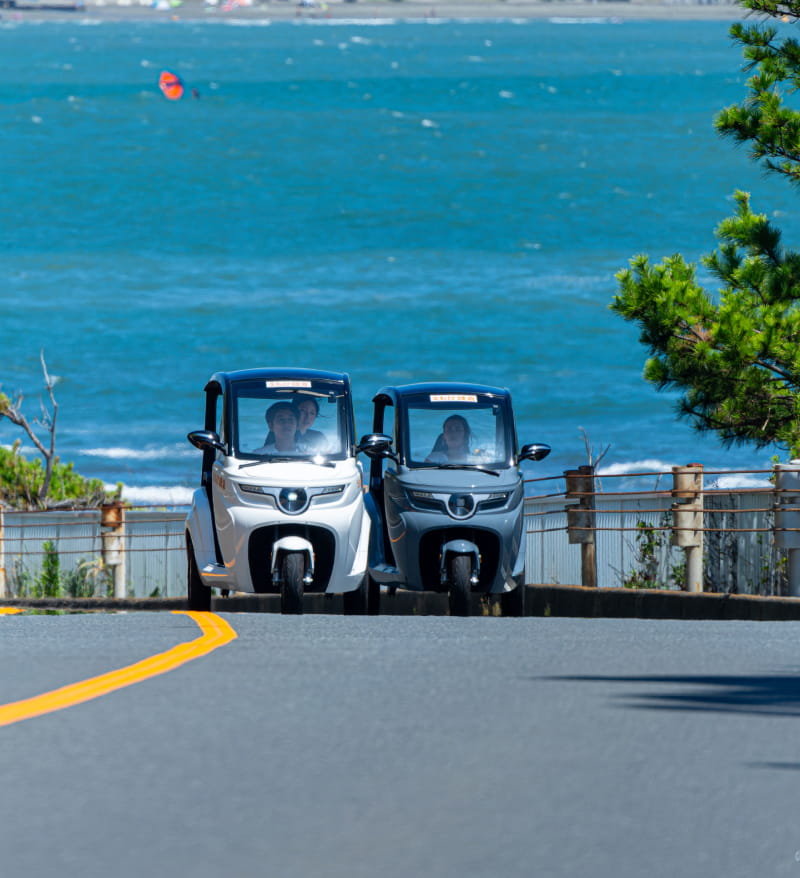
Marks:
<point>292,500</point>
<point>461,505</point>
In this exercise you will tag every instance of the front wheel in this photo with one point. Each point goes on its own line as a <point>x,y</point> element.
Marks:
<point>292,570</point>
<point>459,569</point>
<point>199,595</point>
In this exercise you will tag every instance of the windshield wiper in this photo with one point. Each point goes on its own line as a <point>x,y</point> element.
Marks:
<point>288,459</point>
<point>464,466</point>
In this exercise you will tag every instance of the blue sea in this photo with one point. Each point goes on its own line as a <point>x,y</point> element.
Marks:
<point>403,201</point>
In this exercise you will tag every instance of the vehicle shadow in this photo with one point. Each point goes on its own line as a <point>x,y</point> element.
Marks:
<point>764,695</point>
<point>777,766</point>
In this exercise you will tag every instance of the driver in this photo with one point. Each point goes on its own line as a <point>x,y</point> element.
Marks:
<point>282,422</point>
<point>452,446</point>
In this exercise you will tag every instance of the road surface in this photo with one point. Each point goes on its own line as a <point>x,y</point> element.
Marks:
<point>348,747</point>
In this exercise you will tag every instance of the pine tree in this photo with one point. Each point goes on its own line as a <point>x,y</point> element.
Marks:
<point>735,356</point>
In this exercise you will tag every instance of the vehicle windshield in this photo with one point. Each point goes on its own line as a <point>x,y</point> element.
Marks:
<point>464,429</point>
<point>272,419</point>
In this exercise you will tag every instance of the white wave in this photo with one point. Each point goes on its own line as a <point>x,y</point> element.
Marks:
<point>647,465</point>
<point>156,495</point>
<point>117,453</point>
<point>589,19</point>
<point>245,22</point>
<point>338,22</point>
<point>720,478</point>
<point>24,450</point>
<point>740,480</point>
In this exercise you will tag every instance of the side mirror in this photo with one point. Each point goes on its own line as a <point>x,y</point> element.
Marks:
<point>376,445</point>
<point>537,451</point>
<point>203,439</point>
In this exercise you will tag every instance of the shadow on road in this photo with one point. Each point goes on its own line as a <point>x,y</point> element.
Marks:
<point>777,694</point>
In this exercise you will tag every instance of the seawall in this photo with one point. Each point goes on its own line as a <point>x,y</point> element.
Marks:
<point>540,600</point>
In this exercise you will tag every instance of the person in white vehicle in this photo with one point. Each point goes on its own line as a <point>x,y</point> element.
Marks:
<point>307,410</point>
<point>282,422</point>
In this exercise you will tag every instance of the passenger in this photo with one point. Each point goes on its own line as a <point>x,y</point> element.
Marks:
<point>307,409</point>
<point>282,422</point>
<point>452,446</point>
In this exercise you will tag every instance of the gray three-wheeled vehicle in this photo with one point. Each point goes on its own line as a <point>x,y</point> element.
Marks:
<point>446,494</point>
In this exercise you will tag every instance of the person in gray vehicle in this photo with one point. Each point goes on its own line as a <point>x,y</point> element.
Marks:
<point>453,445</point>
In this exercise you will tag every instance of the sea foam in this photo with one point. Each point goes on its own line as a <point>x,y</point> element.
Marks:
<point>156,495</point>
<point>120,453</point>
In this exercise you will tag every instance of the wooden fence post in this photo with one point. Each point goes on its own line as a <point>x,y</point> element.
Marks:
<point>581,519</point>
<point>687,520</point>
<point>112,531</point>
<point>786,526</point>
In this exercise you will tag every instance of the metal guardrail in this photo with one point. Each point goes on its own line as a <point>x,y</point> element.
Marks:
<point>693,536</point>
<point>71,551</point>
<point>633,546</point>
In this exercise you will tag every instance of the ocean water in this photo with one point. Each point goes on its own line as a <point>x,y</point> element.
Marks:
<point>402,201</point>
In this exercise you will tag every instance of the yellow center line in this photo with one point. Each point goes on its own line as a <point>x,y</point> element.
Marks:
<point>216,632</point>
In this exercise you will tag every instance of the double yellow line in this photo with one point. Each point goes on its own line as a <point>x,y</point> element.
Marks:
<point>216,632</point>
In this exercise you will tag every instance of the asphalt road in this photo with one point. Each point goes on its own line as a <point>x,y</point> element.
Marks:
<point>400,746</point>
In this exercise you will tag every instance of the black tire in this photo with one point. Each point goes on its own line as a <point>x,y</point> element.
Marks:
<point>291,571</point>
<point>356,602</point>
<point>459,568</point>
<point>199,595</point>
<point>512,603</point>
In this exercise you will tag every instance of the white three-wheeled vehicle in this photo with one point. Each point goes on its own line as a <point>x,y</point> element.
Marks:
<point>280,504</point>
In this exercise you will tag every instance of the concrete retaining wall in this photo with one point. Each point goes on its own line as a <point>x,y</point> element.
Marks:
<point>540,600</point>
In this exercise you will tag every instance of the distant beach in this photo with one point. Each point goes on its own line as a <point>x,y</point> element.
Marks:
<point>276,10</point>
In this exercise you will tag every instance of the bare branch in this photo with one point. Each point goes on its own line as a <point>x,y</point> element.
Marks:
<point>13,411</point>
<point>593,461</point>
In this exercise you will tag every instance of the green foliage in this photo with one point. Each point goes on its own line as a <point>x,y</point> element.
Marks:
<point>21,482</point>
<point>50,578</point>
<point>651,542</point>
<point>87,579</point>
<point>736,359</point>
<point>648,544</point>
<point>763,120</point>
<point>735,355</point>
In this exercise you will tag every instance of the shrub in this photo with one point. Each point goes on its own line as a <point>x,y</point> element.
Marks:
<point>21,481</point>
<point>88,579</point>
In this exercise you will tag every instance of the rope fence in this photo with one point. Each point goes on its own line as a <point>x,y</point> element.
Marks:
<point>689,531</point>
